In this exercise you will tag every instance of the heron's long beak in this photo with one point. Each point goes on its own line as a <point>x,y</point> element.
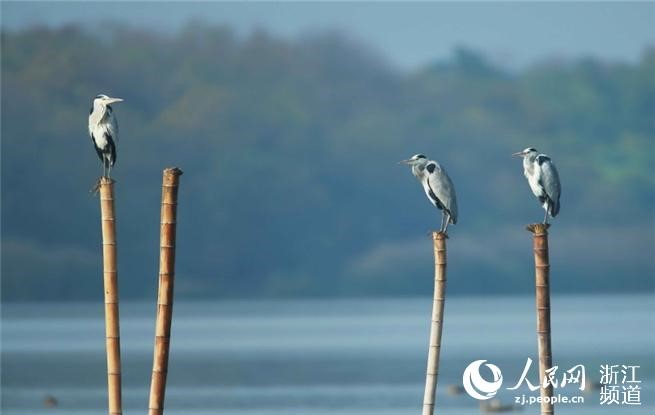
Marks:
<point>112,100</point>
<point>404,161</point>
<point>519,154</point>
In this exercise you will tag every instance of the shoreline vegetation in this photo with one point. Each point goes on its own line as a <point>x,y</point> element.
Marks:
<point>300,137</point>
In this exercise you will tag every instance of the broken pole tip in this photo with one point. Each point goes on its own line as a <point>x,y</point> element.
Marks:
<point>174,171</point>
<point>538,228</point>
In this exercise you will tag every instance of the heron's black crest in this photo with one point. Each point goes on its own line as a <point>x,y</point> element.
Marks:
<point>420,156</point>
<point>531,149</point>
<point>430,167</point>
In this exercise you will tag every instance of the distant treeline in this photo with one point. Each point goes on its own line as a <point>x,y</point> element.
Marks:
<point>289,149</point>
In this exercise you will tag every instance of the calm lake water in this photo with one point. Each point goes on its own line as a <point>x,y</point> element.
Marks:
<point>351,357</point>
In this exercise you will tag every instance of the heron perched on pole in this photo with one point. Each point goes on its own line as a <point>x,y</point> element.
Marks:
<point>103,129</point>
<point>438,187</point>
<point>543,180</point>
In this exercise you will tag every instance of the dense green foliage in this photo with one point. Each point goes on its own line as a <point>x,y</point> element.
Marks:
<point>289,150</point>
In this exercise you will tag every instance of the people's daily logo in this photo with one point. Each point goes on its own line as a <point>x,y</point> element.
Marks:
<point>619,384</point>
<point>476,386</point>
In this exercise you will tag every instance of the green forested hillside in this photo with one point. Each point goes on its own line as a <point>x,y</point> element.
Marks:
<point>289,150</point>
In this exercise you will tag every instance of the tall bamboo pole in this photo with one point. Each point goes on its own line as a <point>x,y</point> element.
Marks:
<point>432,373</point>
<point>110,279</point>
<point>170,186</point>
<point>542,283</point>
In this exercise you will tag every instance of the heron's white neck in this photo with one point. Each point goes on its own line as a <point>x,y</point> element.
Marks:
<point>418,169</point>
<point>99,106</point>
<point>99,112</point>
<point>528,162</point>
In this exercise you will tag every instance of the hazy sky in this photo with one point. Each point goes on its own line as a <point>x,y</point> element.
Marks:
<point>409,34</point>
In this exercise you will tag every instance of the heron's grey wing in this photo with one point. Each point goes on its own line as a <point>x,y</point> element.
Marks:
<point>444,190</point>
<point>112,126</point>
<point>112,151</point>
<point>549,180</point>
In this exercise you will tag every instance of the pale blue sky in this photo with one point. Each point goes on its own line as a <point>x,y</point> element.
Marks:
<point>409,34</point>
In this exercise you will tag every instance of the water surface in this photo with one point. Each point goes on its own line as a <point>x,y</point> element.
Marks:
<point>351,357</point>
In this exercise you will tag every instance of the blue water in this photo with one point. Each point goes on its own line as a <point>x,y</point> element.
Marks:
<point>351,357</point>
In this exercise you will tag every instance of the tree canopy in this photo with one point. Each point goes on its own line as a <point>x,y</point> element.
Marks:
<point>289,149</point>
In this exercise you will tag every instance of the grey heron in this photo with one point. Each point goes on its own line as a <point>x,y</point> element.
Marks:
<point>437,186</point>
<point>103,129</point>
<point>543,180</point>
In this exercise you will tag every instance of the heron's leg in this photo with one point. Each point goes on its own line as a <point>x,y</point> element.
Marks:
<point>443,217</point>
<point>447,222</point>
<point>546,216</point>
<point>109,170</point>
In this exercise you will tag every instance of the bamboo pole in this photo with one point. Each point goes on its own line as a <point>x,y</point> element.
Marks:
<point>432,373</point>
<point>170,186</point>
<point>542,284</point>
<point>110,280</point>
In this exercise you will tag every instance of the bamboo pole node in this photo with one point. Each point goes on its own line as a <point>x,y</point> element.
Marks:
<point>436,322</point>
<point>105,187</point>
<point>542,294</point>
<point>168,223</point>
